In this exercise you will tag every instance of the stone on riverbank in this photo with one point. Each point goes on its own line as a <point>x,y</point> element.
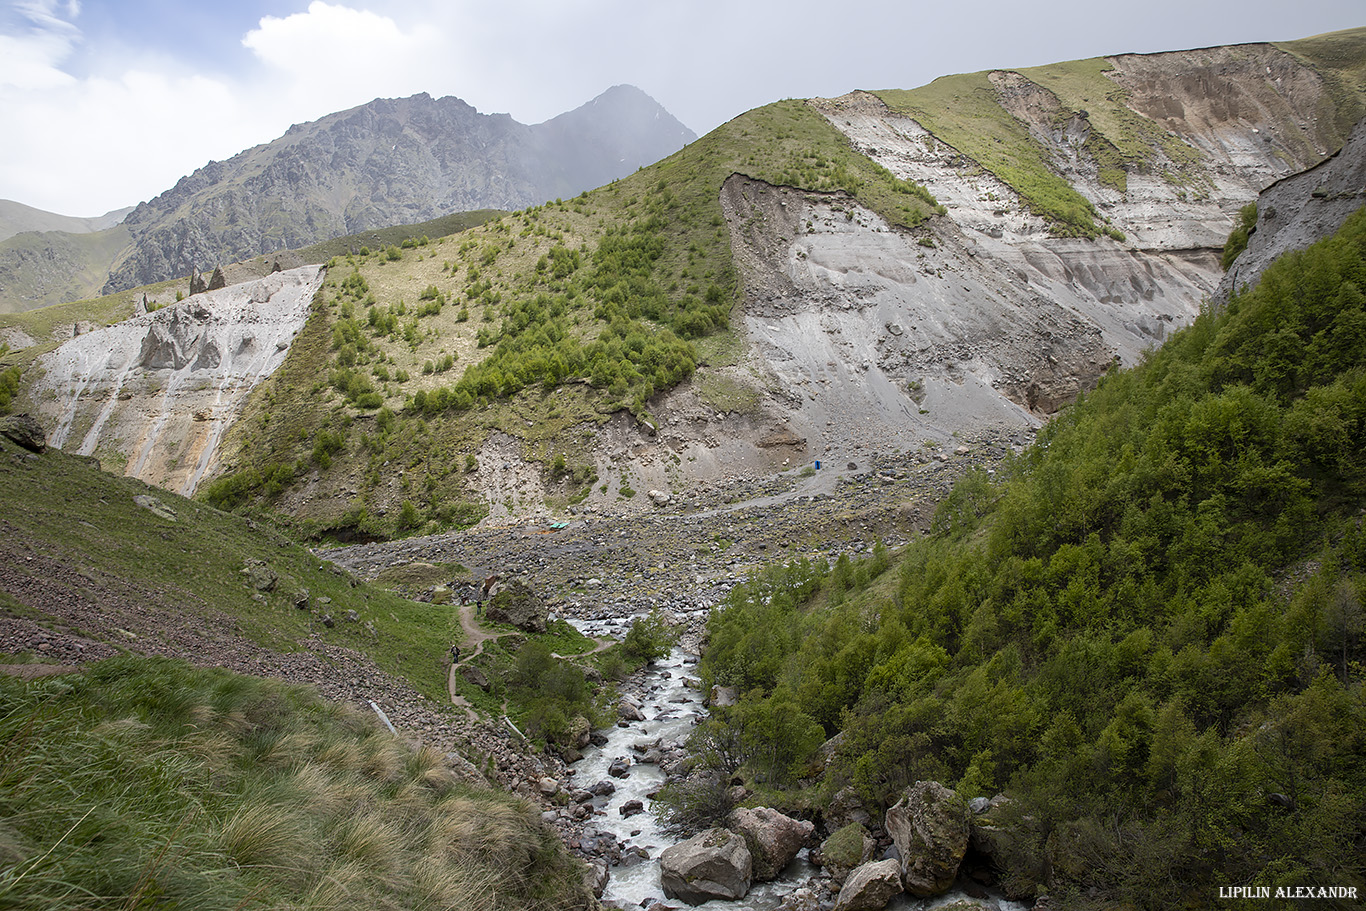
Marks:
<point>712,864</point>
<point>772,838</point>
<point>929,826</point>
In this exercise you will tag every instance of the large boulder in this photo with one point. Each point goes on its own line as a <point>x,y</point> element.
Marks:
<point>772,838</point>
<point>870,887</point>
<point>846,807</point>
<point>988,834</point>
<point>712,864</point>
<point>515,603</point>
<point>929,826</point>
<point>25,430</point>
<point>845,849</point>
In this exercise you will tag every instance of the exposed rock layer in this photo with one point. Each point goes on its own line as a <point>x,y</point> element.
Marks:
<point>158,390</point>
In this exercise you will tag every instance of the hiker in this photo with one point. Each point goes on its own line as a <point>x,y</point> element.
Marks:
<point>455,654</point>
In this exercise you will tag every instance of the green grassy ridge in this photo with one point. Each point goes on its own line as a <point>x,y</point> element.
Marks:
<point>552,318</point>
<point>1340,58</point>
<point>1148,631</point>
<point>67,509</point>
<point>964,111</point>
<point>1121,140</point>
<point>146,783</point>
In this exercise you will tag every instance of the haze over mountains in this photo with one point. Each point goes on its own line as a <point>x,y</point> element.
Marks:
<point>391,161</point>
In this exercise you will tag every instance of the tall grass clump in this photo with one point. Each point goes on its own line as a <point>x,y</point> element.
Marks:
<point>145,783</point>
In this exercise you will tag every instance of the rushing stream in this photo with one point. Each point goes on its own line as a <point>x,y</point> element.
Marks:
<point>671,709</point>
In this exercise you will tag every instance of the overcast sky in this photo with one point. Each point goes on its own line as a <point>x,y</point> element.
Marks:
<point>107,103</point>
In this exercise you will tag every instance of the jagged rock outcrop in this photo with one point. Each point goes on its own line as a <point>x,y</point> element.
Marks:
<point>155,393</point>
<point>388,162</point>
<point>1301,209</point>
<point>25,430</point>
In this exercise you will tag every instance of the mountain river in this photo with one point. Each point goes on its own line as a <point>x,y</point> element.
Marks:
<point>671,708</point>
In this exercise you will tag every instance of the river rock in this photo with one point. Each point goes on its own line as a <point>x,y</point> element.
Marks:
<point>631,808</point>
<point>870,887</point>
<point>723,697</point>
<point>845,849</point>
<point>629,711</point>
<point>580,732</point>
<point>620,767</point>
<point>929,826</point>
<point>712,864</point>
<point>987,833</point>
<point>515,603</point>
<point>846,807</point>
<point>800,899</point>
<point>772,838</point>
<point>595,877</point>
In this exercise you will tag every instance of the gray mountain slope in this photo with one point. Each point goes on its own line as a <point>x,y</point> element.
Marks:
<point>391,161</point>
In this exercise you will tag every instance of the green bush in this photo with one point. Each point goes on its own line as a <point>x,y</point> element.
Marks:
<point>1237,238</point>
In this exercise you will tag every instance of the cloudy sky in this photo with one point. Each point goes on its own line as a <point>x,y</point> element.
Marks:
<point>107,103</point>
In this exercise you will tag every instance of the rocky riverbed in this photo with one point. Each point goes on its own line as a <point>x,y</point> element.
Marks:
<point>683,555</point>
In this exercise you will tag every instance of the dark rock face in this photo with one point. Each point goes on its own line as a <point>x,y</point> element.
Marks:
<point>389,162</point>
<point>929,827</point>
<point>24,430</point>
<point>1301,209</point>
<point>517,604</point>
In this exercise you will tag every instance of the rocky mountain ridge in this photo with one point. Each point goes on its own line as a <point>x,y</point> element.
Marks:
<point>388,162</point>
<point>391,161</point>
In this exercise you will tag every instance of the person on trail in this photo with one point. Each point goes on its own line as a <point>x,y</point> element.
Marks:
<point>455,654</point>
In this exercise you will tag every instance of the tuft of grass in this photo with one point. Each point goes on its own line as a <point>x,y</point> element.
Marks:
<point>111,800</point>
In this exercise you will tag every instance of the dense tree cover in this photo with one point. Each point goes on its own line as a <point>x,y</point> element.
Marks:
<point>640,347</point>
<point>1147,631</point>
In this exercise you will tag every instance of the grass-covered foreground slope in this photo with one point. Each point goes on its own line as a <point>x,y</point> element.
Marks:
<point>1148,631</point>
<point>79,548</point>
<point>144,783</point>
<point>541,325</point>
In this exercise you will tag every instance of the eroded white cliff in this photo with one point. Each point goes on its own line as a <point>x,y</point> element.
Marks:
<point>156,392</point>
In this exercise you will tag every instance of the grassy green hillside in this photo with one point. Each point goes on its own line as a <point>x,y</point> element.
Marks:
<point>1340,58</point>
<point>1148,631</point>
<point>39,269</point>
<point>148,784</point>
<point>187,566</point>
<point>540,325</point>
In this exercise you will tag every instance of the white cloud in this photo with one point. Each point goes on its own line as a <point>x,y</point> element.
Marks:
<point>32,61</point>
<point>333,57</point>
